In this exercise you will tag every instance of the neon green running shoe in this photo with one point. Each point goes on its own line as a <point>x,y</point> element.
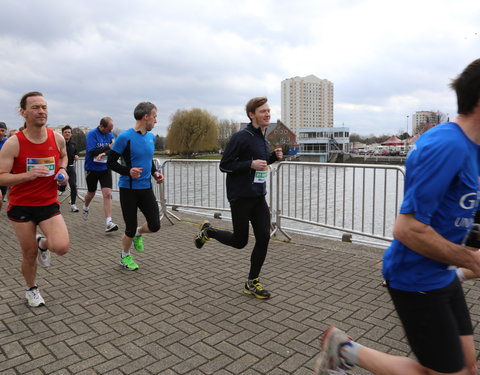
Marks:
<point>138,244</point>
<point>128,263</point>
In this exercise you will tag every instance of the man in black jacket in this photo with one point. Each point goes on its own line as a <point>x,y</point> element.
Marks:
<point>245,161</point>
<point>72,174</point>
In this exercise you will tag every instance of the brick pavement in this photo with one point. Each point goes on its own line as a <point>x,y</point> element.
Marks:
<point>184,311</point>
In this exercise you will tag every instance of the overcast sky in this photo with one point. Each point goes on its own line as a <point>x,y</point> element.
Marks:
<point>95,58</point>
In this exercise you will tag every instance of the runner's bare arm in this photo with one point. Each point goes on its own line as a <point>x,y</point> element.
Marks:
<point>63,159</point>
<point>63,150</point>
<point>423,239</point>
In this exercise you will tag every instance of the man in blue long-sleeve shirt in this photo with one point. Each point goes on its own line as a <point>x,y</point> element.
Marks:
<point>99,142</point>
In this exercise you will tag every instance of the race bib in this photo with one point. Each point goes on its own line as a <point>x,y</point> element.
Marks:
<point>260,177</point>
<point>48,162</point>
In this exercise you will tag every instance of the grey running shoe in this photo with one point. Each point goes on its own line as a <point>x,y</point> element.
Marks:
<point>330,361</point>
<point>74,208</point>
<point>34,299</point>
<point>254,288</point>
<point>111,227</point>
<point>201,237</point>
<point>85,213</point>
<point>43,255</point>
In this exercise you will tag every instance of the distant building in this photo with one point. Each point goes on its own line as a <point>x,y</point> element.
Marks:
<point>278,135</point>
<point>423,120</point>
<point>307,102</point>
<point>322,142</point>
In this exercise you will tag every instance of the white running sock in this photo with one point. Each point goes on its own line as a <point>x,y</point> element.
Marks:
<point>349,351</point>
<point>461,275</point>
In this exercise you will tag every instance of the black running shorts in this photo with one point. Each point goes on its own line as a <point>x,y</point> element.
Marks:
<point>23,214</point>
<point>93,177</point>
<point>433,322</point>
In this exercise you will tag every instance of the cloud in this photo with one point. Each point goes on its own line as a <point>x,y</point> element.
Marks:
<point>94,58</point>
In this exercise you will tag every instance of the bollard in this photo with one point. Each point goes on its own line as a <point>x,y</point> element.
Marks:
<point>346,237</point>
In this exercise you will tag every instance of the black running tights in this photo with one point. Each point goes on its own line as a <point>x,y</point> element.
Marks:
<point>245,210</point>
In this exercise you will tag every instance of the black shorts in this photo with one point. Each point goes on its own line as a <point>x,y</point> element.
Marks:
<point>93,177</point>
<point>24,214</point>
<point>4,189</point>
<point>433,322</point>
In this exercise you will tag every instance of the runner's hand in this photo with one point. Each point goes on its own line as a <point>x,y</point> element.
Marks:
<point>38,171</point>
<point>135,172</point>
<point>65,177</point>
<point>279,153</point>
<point>158,177</point>
<point>259,165</point>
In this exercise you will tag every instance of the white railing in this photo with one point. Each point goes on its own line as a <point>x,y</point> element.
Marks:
<point>353,198</point>
<point>314,198</point>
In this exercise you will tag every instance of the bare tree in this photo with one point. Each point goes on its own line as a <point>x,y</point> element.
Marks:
<point>226,128</point>
<point>79,137</point>
<point>192,131</point>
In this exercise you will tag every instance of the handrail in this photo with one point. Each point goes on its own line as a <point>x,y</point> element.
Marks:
<point>303,196</point>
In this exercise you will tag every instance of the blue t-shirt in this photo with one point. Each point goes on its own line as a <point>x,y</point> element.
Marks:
<point>441,190</point>
<point>137,152</point>
<point>96,139</point>
<point>2,142</point>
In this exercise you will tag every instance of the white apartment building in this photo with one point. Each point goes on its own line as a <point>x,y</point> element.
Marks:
<point>422,118</point>
<point>307,102</point>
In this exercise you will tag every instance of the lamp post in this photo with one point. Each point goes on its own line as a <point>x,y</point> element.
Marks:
<point>407,124</point>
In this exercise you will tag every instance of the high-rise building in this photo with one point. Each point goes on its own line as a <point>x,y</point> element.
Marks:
<point>307,102</point>
<point>422,120</point>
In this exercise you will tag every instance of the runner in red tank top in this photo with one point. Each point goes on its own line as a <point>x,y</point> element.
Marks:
<point>41,191</point>
<point>36,157</point>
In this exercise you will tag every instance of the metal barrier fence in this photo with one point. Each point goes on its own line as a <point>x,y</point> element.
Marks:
<point>313,198</point>
<point>353,198</point>
<point>358,199</point>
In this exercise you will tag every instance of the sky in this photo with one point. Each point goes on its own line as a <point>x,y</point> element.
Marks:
<point>96,58</point>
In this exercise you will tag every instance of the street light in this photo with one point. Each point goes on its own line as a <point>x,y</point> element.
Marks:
<point>407,124</point>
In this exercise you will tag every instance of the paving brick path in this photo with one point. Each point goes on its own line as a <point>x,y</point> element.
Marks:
<point>183,311</point>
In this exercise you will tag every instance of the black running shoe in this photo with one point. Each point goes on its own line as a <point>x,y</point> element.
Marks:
<point>254,288</point>
<point>201,237</point>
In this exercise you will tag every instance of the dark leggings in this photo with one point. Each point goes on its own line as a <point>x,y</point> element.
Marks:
<point>144,199</point>
<point>245,210</point>
<point>72,182</point>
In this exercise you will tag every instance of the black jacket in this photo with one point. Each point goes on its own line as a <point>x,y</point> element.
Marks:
<point>71,151</point>
<point>245,145</point>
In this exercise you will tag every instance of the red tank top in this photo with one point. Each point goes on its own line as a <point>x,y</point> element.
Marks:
<point>41,191</point>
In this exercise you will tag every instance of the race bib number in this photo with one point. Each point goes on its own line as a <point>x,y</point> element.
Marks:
<point>260,177</point>
<point>48,162</point>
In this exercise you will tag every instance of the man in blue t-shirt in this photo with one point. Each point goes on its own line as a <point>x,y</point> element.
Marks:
<point>99,143</point>
<point>136,147</point>
<point>437,213</point>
